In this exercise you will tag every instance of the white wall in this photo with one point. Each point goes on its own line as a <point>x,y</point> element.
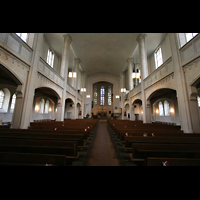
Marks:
<point>166,54</point>
<point>57,58</point>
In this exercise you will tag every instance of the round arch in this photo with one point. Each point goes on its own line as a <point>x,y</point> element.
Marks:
<point>160,92</point>
<point>48,91</point>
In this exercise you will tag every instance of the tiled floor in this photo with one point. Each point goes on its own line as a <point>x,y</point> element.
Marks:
<point>103,152</point>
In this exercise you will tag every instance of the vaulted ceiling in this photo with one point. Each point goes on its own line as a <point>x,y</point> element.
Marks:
<point>105,52</point>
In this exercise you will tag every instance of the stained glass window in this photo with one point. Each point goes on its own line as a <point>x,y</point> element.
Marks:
<point>95,95</point>
<point>109,95</point>
<point>102,100</point>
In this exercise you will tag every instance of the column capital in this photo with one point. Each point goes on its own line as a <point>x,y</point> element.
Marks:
<point>141,36</point>
<point>67,38</point>
<point>129,60</point>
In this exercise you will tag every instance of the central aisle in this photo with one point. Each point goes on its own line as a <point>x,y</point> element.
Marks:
<point>103,152</point>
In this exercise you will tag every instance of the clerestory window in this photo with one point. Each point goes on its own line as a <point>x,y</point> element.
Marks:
<point>50,57</point>
<point>23,36</point>
<point>158,57</point>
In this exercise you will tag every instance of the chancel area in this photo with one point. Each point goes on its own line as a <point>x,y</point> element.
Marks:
<point>63,95</point>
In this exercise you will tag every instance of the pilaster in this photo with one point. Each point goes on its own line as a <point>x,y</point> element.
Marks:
<point>30,85</point>
<point>17,114</point>
<point>183,101</point>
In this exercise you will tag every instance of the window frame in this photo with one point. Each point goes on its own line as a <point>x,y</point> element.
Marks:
<point>13,102</point>
<point>109,96</point>
<point>166,108</point>
<point>42,104</point>
<point>157,61</point>
<point>3,98</point>
<point>50,57</point>
<point>46,107</point>
<point>186,38</point>
<point>21,36</point>
<point>95,95</point>
<point>198,101</point>
<point>160,104</point>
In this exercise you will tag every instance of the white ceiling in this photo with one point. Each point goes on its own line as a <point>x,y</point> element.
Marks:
<point>105,52</point>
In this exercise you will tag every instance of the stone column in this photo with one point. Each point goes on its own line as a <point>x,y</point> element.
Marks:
<point>77,62</point>
<point>143,55</point>
<point>122,94</point>
<point>144,74</point>
<point>194,109</point>
<point>64,74</point>
<point>83,94</point>
<point>130,71</point>
<point>65,56</point>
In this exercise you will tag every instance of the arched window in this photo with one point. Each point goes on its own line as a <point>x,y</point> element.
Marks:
<point>102,100</point>
<point>46,107</point>
<point>166,107</point>
<point>109,95</point>
<point>95,95</point>
<point>13,102</point>
<point>160,106</point>
<point>2,97</point>
<point>41,106</point>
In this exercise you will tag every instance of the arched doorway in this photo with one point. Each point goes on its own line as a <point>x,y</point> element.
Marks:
<point>137,110</point>
<point>69,109</point>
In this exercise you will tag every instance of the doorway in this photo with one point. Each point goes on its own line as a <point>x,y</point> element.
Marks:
<point>136,116</point>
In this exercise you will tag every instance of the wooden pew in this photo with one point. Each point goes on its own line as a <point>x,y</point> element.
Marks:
<point>27,159</point>
<point>141,151</point>
<point>41,139</point>
<point>151,161</point>
<point>148,133</point>
<point>164,140</point>
<point>71,145</point>
<point>44,136</point>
